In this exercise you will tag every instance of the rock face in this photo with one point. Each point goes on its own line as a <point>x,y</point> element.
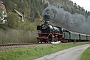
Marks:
<point>2,6</point>
<point>3,13</point>
<point>59,3</point>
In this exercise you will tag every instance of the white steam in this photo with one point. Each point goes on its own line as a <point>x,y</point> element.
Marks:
<point>74,22</point>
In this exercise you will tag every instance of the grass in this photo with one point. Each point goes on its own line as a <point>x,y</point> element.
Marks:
<point>86,55</point>
<point>17,36</point>
<point>33,53</point>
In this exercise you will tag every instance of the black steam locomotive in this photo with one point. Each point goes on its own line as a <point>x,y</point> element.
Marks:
<point>49,33</point>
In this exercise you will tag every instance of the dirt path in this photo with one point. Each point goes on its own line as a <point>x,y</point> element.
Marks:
<point>68,54</point>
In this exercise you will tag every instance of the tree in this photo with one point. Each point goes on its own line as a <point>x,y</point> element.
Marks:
<point>13,20</point>
<point>79,7</point>
<point>75,5</point>
<point>86,12</point>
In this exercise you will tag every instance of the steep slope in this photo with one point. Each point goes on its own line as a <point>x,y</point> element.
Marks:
<point>32,9</point>
<point>68,5</point>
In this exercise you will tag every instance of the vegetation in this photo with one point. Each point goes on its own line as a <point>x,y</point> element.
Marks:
<point>71,7</point>
<point>8,36</point>
<point>17,36</point>
<point>86,55</point>
<point>32,10</point>
<point>13,20</point>
<point>33,53</point>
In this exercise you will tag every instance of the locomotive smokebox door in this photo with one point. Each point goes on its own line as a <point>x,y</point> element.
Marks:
<point>46,17</point>
<point>38,27</point>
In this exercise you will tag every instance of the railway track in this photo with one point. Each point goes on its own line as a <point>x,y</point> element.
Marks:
<point>15,44</point>
<point>4,47</point>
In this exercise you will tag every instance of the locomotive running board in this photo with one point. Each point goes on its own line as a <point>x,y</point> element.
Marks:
<point>56,42</point>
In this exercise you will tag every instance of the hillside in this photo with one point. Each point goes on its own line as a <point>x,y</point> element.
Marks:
<point>32,11</point>
<point>68,5</point>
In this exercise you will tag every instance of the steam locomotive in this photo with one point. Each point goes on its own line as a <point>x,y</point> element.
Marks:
<point>49,33</point>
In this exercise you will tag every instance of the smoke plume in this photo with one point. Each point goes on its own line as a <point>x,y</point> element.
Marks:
<point>74,22</point>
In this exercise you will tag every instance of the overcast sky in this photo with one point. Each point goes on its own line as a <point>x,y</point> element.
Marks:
<point>83,3</point>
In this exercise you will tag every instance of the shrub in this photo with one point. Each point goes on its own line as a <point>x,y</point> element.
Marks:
<point>13,20</point>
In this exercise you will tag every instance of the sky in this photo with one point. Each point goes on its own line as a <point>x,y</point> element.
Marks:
<point>83,3</point>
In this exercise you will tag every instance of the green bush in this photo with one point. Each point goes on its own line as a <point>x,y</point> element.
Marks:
<point>13,20</point>
<point>17,36</point>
